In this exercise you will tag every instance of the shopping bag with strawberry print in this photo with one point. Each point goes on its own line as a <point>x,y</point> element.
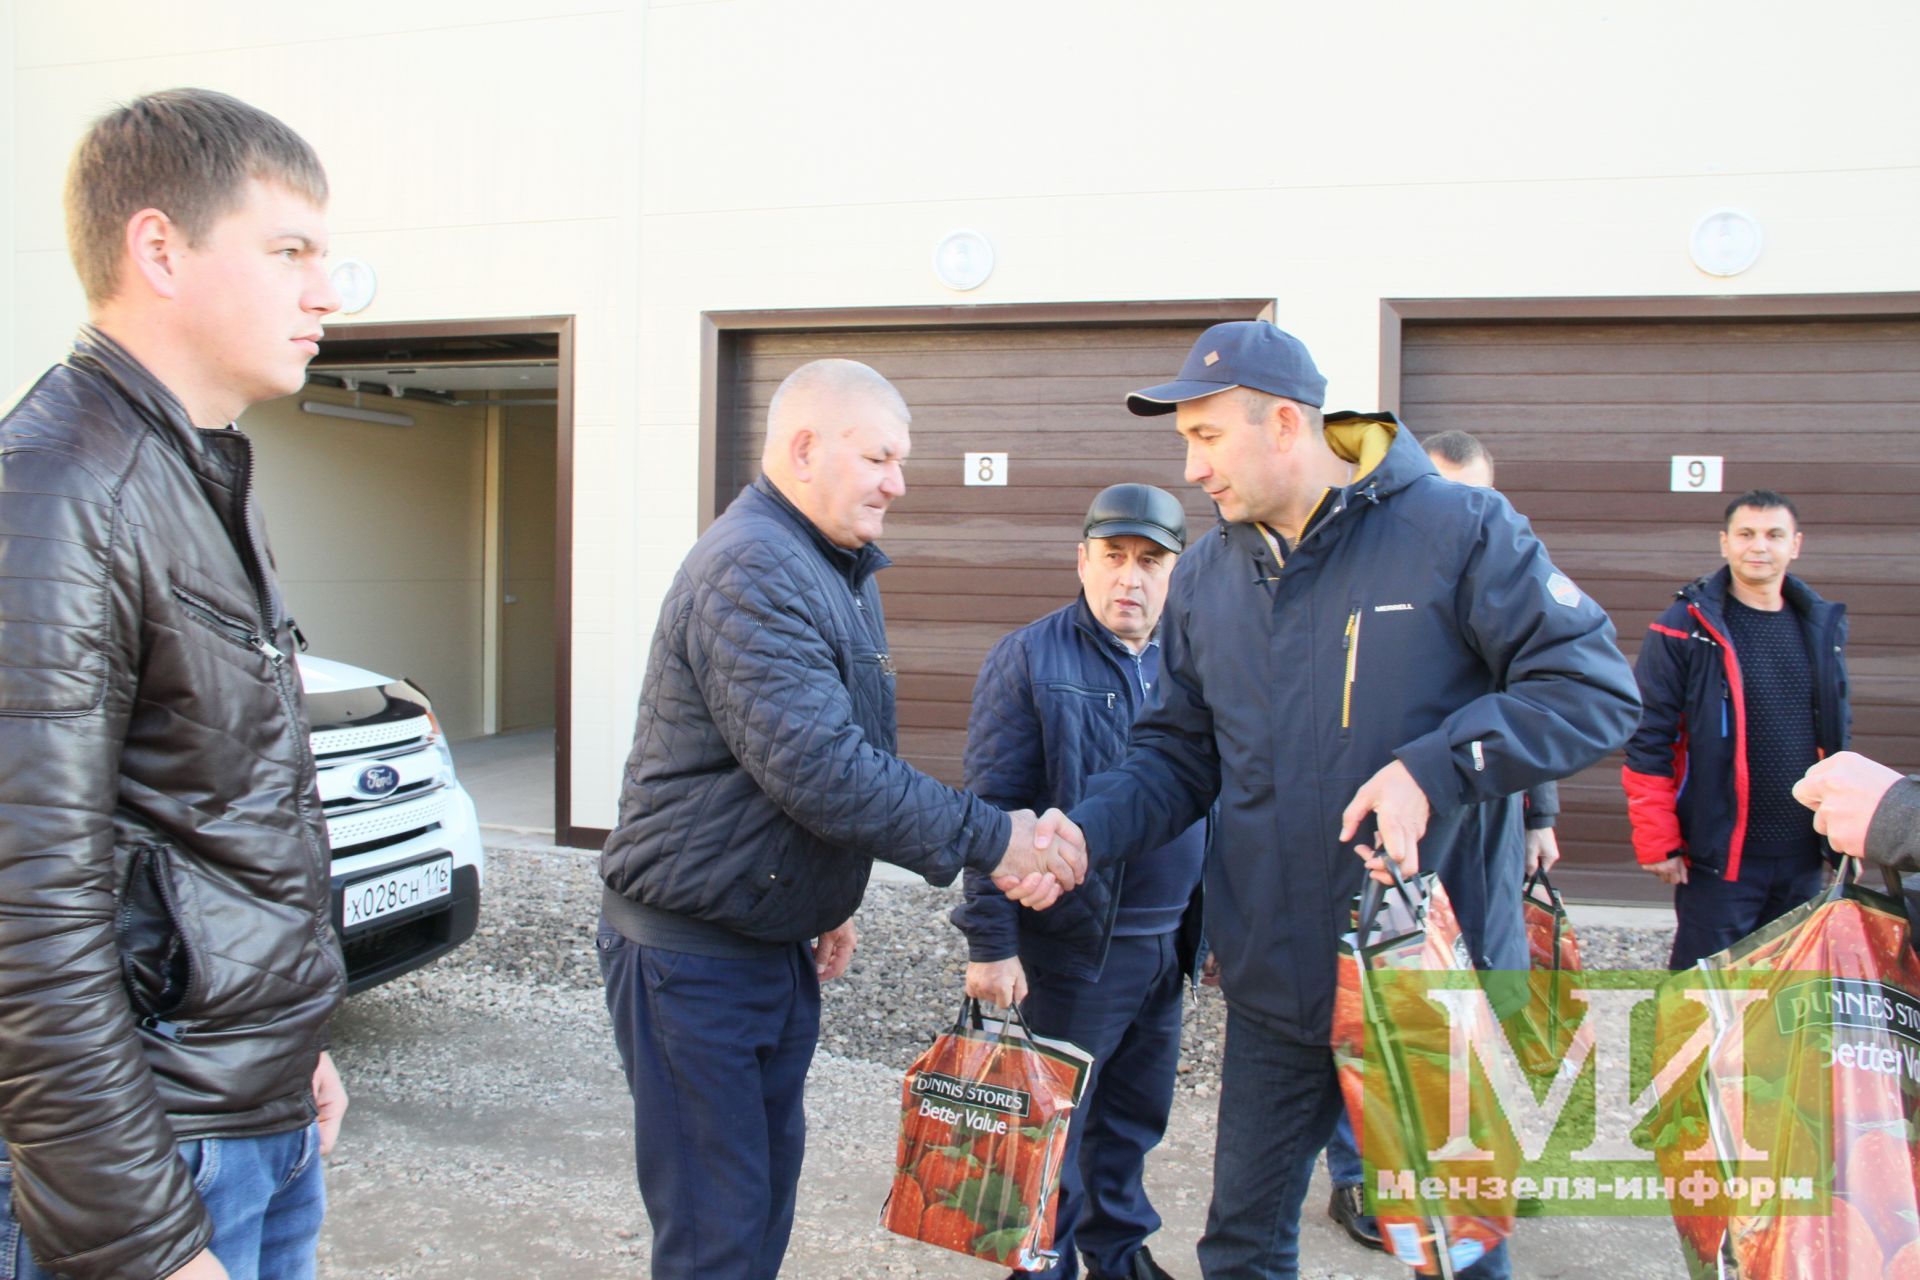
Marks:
<point>1539,1031</point>
<point>1390,1052</point>
<point>983,1132</point>
<point>1798,1121</point>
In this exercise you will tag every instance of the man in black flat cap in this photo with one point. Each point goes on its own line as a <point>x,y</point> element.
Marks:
<point>1362,658</point>
<point>1103,967</point>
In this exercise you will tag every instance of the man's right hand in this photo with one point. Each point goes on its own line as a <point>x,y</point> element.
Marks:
<point>1043,859</point>
<point>1004,982</point>
<point>1673,870</point>
<point>202,1266</point>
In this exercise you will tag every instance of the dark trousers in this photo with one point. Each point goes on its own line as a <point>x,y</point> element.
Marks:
<point>1712,914</point>
<point>1279,1100</point>
<point>1129,1020</point>
<point>716,1054</point>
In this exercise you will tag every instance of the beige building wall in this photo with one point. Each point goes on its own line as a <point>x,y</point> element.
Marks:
<point>637,164</point>
<point>377,534</point>
<point>1327,156</point>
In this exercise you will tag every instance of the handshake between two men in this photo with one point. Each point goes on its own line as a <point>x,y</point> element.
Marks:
<point>1047,855</point>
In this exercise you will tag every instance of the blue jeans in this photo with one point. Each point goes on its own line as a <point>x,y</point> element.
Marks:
<point>1279,1101</point>
<point>716,1053</point>
<point>1129,1020</point>
<point>1343,1155</point>
<point>266,1197</point>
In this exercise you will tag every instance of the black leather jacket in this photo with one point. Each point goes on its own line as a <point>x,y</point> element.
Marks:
<point>167,956</point>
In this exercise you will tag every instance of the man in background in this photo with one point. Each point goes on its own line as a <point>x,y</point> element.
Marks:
<point>1104,967</point>
<point>1744,683</point>
<point>1464,458</point>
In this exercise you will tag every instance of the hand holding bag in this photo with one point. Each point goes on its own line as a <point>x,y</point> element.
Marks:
<point>1378,1034</point>
<point>983,1131</point>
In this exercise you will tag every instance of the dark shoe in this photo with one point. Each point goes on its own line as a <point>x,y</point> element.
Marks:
<point>1143,1267</point>
<point>1349,1208</point>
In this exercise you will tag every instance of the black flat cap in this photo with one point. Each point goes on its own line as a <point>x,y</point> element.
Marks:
<point>1138,509</point>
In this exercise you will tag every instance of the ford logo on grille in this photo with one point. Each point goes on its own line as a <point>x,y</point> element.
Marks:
<point>377,780</point>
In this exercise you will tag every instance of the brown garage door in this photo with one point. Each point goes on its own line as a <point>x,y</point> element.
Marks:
<point>1583,420</point>
<point>970,562</point>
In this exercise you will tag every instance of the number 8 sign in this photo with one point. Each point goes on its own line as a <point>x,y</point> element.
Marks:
<point>1695,474</point>
<point>985,468</point>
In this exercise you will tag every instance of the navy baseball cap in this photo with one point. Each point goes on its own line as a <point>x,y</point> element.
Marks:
<point>1240,353</point>
<point>1139,509</point>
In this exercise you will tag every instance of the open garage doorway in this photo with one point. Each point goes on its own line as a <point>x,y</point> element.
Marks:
<point>419,500</point>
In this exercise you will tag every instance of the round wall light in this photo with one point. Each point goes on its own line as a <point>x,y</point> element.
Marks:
<point>354,281</point>
<point>1725,242</point>
<point>963,260</point>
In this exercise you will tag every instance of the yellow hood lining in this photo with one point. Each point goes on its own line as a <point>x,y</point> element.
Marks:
<point>1361,441</point>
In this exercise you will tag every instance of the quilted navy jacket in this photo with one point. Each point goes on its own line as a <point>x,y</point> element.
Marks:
<point>1686,770</point>
<point>1051,708</point>
<point>1415,620</point>
<point>763,780</point>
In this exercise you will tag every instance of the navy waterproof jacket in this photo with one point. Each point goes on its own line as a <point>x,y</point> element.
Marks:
<point>1415,620</point>
<point>1686,770</point>
<point>1051,708</point>
<point>763,780</point>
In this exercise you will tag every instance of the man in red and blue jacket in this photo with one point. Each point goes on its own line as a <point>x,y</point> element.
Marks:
<point>1744,684</point>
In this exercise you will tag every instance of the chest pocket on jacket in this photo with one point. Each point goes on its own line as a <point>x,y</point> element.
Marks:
<point>873,696</point>
<point>1093,700</point>
<point>227,631</point>
<point>1083,725</point>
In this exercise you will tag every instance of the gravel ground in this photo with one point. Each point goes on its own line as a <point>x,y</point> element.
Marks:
<point>491,1131</point>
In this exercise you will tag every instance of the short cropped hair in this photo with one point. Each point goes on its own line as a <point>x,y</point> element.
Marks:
<point>1257,405</point>
<point>1762,500</point>
<point>1458,449</point>
<point>186,152</point>
<point>837,377</point>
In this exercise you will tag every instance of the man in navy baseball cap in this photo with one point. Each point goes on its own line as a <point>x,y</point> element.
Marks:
<point>1239,353</point>
<point>1364,659</point>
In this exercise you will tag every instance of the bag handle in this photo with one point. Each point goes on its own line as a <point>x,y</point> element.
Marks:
<point>971,1018</point>
<point>1539,877</point>
<point>1373,896</point>
<point>1851,869</point>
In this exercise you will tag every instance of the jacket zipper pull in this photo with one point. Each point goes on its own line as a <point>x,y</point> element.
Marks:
<point>1110,698</point>
<point>299,636</point>
<point>266,646</point>
<point>162,1028</point>
<point>1350,645</point>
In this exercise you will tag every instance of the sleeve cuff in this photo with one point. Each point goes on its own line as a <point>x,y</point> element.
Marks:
<point>1430,760</point>
<point>991,844</point>
<point>1893,834</point>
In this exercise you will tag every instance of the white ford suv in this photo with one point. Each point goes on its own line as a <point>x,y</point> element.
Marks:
<point>407,861</point>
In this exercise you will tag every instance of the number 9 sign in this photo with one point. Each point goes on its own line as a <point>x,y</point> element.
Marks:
<point>1699,474</point>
